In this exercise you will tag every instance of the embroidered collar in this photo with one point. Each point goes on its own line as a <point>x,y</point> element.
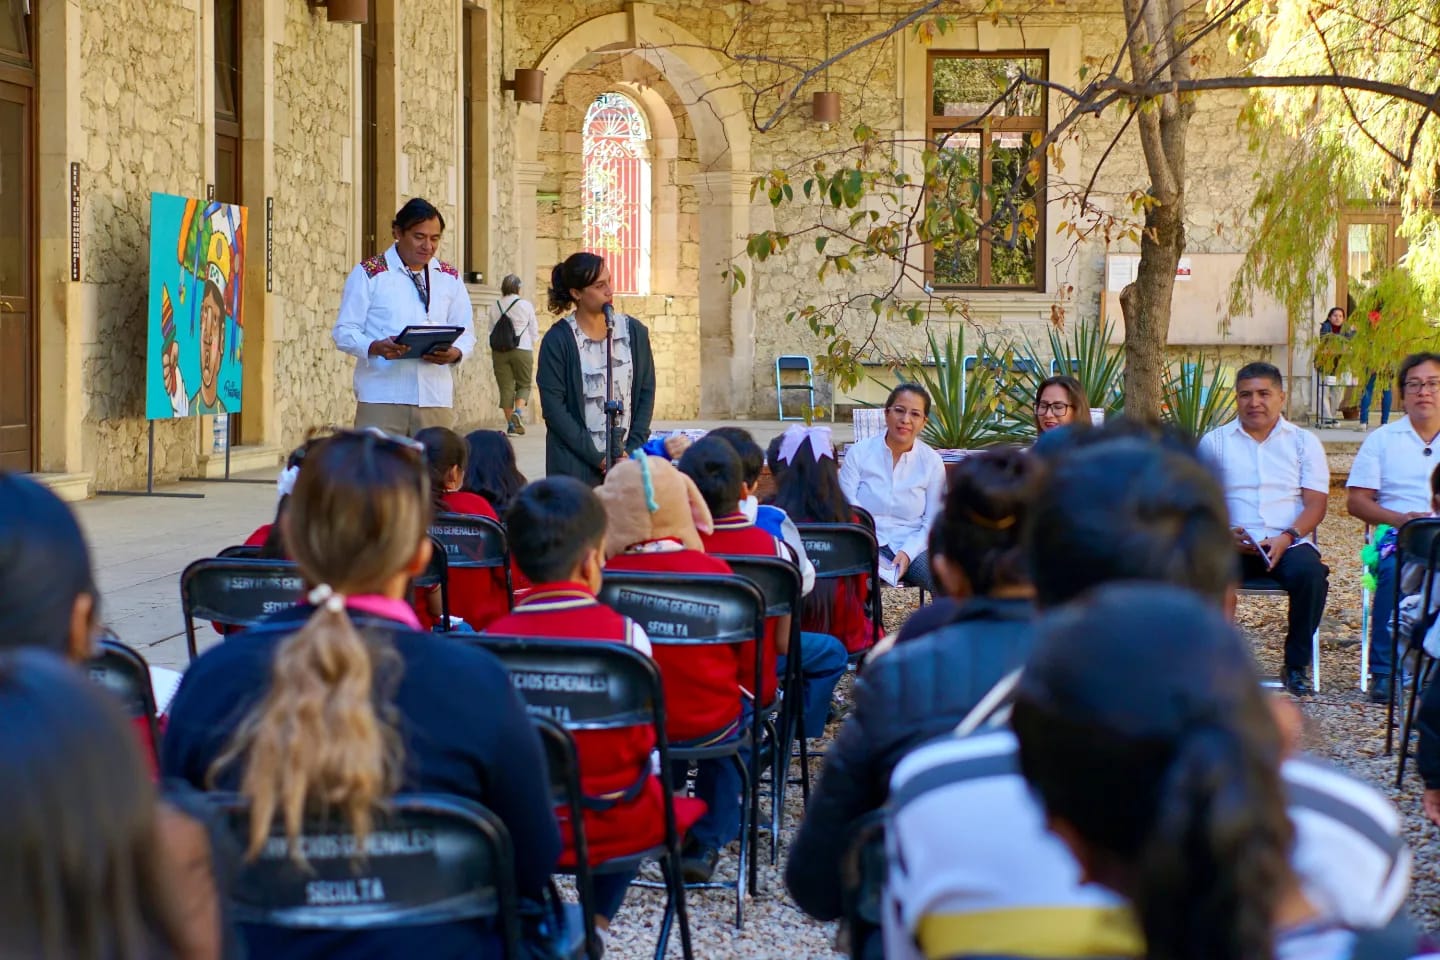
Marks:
<point>733,521</point>
<point>663,545</point>
<point>560,595</point>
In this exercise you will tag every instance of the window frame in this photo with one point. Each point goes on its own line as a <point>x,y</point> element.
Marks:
<point>644,196</point>
<point>937,126</point>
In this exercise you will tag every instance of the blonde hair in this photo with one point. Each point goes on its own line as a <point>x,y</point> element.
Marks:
<point>321,739</point>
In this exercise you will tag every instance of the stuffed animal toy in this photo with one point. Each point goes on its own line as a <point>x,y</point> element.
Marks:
<point>646,498</point>
<point>1381,545</point>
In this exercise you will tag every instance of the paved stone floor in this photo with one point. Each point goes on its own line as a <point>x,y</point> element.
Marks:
<point>141,544</point>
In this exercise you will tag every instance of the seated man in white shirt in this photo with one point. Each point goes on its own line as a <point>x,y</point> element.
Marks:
<point>972,869</point>
<point>1390,483</point>
<point>1277,484</point>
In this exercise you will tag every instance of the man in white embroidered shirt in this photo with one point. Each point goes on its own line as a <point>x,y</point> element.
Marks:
<point>1277,485</point>
<point>404,286</point>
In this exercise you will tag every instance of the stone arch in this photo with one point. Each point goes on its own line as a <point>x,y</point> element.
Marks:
<point>708,90</point>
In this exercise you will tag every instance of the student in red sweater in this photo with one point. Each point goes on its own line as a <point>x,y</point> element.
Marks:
<point>562,553</point>
<point>476,596</point>
<point>715,464</point>
<point>491,472</point>
<point>655,517</point>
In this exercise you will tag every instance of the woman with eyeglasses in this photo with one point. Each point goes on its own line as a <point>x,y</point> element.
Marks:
<point>1059,402</point>
<point>900,480</point>
<point>342,702</point>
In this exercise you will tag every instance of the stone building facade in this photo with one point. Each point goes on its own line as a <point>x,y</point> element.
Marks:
<point>336,124</point>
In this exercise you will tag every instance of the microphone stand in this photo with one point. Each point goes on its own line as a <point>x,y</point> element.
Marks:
<point>613,406</point>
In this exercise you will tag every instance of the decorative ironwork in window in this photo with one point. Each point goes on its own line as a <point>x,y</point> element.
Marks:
<point>616,188</point>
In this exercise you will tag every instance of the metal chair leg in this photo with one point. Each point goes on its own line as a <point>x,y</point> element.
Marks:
<point>1423,667</point>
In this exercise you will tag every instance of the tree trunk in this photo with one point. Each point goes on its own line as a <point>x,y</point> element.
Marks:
<point>1145,304</point>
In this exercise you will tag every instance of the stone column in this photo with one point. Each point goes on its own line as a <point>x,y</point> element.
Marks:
<point>528,174</point>
<point>260,29</point>
<point>727,321</point>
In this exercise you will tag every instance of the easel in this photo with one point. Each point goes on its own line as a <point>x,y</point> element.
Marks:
<point>149,490</point>
<point>227,478</point>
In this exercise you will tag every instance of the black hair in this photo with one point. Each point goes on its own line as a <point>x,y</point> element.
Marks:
<point>752,458</point>
<point>576,272</point>
<point>85,877</point>
<point>1258,369</point>
<point>490,469</point>
<point>1435,483</point>
<point>562,518</point>
<point>444,451</point>
<point>772,457</point>
<point>416,211</point>
<point>44,566</point>
<point>1128,509</point>
<point>1413,361</point>
<point>1143,727</point>
<point>914,388</point>
<point>715,467</point>
<point>987,498</point>
<point>808,489</point>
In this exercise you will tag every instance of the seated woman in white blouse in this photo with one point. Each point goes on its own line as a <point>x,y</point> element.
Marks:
<point>901,482</point>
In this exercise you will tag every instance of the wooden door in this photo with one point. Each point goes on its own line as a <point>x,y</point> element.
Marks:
<point>17,269</point>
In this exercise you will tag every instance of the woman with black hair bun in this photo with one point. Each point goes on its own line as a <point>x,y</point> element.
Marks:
<point>571,374</point>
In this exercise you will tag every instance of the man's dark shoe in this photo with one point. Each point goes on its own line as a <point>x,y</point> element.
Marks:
<point>1379,689</point>
<point>1297,681</point>
<point>698,862</point>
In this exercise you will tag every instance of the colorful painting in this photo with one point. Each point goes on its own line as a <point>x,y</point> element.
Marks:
<point>196,331</point>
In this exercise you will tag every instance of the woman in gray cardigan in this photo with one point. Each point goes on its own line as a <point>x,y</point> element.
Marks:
<point>570,373</point>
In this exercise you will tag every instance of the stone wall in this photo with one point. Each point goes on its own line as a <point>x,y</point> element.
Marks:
<point>142,132</point>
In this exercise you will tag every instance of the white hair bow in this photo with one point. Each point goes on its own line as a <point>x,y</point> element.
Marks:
<point>820,444</point>
<point>285,483</point>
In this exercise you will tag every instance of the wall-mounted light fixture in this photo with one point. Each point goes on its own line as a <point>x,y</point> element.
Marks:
<point>344,11</point>
<point>825,104</point>
<point>529,85</point>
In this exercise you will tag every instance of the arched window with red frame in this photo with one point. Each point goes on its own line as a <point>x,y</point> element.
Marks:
<point>616,186</point>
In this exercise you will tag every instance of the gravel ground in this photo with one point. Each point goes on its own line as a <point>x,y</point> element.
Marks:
<point>1341,725</point>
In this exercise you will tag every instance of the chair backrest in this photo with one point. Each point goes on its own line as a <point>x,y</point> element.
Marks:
<point>792,362</point>
<point>868,422</point>
<point>125,673</point>
<point>431,858</point>
<point>437,574</point>
<point>778,580</point>
<point>839,549</point>
<point>864,517</point>
<point>687,609</point>
<point>582,684</point>
<point>236,592</point>
<point>1419,540</point>
<point>471,542</point>
<point>243,551</point>
<point>562,759</point>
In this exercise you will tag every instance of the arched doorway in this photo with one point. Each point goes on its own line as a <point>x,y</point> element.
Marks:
<point>706,93</point>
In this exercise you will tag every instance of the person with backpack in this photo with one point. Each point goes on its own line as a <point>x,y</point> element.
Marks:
<point>513,332</point>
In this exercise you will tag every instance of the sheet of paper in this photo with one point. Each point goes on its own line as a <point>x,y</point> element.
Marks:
<point>889,572</point>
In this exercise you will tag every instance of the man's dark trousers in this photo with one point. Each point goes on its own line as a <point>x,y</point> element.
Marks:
<point>1306,579</point>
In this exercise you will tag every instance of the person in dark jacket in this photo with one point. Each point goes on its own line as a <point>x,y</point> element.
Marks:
<point>571,374</point>
<point>925,685</point>
<point>342,702</point>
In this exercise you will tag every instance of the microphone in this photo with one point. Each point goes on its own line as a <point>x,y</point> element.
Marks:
<point>609,312</point>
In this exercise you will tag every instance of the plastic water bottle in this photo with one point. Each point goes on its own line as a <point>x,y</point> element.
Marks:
<point>221,432</point>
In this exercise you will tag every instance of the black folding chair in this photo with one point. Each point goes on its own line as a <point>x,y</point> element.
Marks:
<point>1418,540</point>
<point>125,673</point>
<point>474,543</point>
<point>839,550</point>
<point>599,686</point>
<point>437,574</point>
<point>696,610</point>
<point>864,517</point>
<point>563,764</point>
<point>241,551</point>
<point>781,585</point>
<point>430,859</point>
<point>236,593</point>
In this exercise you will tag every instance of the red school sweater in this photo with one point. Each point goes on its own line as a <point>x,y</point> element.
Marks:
<point>701,694</point>
<point>610,760</point>
<point>476,596</point>
<point>847,614</point>
<point>735,534</point>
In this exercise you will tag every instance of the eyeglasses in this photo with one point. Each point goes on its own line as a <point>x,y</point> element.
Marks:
<point>1422,386</point>
<point>1059,408</point>
<point>902,413</point>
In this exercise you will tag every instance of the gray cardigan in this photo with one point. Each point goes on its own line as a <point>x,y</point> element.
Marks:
<point>569,450</point>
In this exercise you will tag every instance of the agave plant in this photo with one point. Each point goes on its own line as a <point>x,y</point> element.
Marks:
<point>1198,395</point>
<point>1085,354</point>
<point>966,410</point>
